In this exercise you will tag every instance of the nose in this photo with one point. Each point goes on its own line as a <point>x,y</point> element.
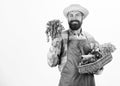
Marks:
<point>75,17</point>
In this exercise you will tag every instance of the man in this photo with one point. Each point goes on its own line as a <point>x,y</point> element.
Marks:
<point>75,44</point>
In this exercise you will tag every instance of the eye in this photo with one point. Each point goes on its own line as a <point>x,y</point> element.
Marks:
<point>70,15</point>
<point>78,14</point>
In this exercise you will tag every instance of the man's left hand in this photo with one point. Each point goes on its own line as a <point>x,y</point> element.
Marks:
<point>99,71</point>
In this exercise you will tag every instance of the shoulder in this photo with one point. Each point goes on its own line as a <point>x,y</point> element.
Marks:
<point>88,35</point>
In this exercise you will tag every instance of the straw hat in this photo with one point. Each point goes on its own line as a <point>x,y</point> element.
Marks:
<point>76,7</point>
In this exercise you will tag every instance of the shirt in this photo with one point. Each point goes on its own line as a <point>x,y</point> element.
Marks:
<point>59,55</point>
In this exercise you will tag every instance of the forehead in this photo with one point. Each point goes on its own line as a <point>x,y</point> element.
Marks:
<point>74,12</point>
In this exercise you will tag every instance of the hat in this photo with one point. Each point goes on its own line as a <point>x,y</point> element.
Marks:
<point>76,7</point>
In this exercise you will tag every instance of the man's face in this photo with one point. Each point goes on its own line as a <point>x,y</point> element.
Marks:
<point>75,19</point>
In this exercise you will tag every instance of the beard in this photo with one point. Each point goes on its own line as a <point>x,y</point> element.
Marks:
<point>75,24</point>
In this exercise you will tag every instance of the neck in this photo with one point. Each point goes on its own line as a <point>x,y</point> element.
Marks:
<point>76,32</point>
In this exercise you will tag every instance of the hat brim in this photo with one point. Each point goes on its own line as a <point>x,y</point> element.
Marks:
<point>76,8</point>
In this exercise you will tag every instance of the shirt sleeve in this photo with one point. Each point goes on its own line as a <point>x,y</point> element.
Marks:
<point>54,52</point>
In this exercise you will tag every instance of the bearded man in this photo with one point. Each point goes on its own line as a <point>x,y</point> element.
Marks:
<point>75,44</point>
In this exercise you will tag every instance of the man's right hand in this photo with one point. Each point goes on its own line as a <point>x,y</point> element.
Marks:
<point>56,42</point>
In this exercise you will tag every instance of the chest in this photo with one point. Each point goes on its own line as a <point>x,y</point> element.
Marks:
<point>81,45</point>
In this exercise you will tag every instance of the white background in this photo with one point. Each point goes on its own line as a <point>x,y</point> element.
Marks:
<point>23,44</point>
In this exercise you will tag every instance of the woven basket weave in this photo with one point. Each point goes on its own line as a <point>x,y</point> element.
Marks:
<point>92,67</point>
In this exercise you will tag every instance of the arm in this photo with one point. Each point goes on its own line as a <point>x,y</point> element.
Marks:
<point>54,52</point>
<point>94,45</point>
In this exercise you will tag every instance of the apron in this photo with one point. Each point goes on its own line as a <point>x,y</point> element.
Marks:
<point>70,75</point>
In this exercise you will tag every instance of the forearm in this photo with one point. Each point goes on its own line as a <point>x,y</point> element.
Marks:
<point>54,52</point>
<point>52,56</point>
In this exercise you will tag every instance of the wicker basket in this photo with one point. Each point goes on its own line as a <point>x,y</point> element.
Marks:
<point>92,67</point>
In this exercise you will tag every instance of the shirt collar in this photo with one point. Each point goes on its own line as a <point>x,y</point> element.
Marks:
<point>76,33</point>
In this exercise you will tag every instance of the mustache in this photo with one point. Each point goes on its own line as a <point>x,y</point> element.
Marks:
<point>74,22</point>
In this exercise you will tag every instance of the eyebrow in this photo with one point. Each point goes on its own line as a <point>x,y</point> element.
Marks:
<point>78,11</point>
<point>81,13</point>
